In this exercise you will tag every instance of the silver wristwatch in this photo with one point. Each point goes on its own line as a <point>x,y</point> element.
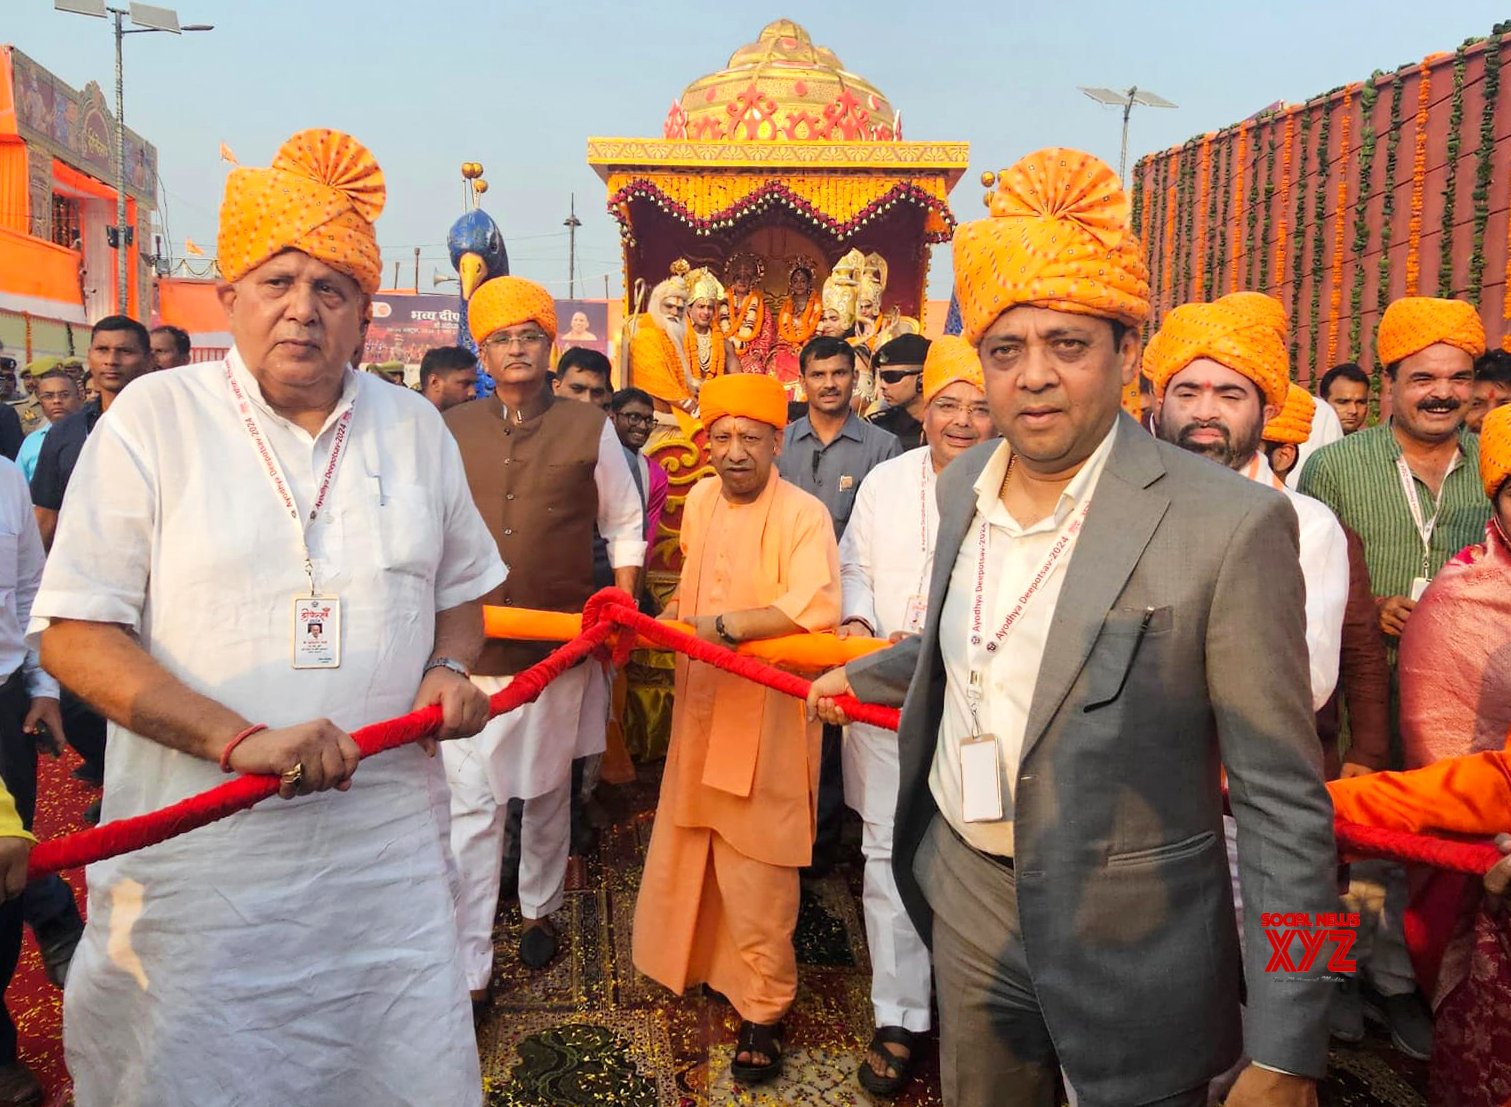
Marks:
<point>447,663</point>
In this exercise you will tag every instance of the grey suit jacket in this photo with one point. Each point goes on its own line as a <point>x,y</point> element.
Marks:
<point>1124,896</point>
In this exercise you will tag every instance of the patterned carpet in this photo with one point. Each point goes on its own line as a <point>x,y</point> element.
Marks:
<point>590,1030</point>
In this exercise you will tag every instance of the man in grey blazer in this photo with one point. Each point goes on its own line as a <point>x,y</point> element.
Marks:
<point>1111,622</point>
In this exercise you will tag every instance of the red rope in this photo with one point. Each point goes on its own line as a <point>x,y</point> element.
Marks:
<point>140,831</point>
<point>604,618</point>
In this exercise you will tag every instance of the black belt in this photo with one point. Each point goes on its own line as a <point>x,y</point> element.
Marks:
<point>995,858</point>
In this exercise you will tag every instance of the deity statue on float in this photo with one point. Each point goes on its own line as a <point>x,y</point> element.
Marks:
<point>797,320</point>
<point>657,352</point>
<point>744,317</point>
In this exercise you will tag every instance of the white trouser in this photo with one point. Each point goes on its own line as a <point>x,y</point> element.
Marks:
<point>900,974</point>
<point>478,818</point>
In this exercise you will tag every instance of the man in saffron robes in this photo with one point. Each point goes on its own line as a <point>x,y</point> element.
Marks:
<point>719,896</point>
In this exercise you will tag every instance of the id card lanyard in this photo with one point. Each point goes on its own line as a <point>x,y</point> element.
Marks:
<point>918,602</point>
<point>312,648</point>
<point>1424,525</point>
<point>979,760</point>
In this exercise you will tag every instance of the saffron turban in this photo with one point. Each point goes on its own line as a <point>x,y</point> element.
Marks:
<point>1059,237</point>
<point>320,196</point>
<point>950,359</point>
<point>1244,331</point>
<point>1293,425</point>
<point>508,302</point>
<point>744,395</point>
<point>1495,449</point>
<point>1413,323</point>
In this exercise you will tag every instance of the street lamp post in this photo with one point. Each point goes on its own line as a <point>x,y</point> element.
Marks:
<point>148,18</point>
<point>1126,100</point>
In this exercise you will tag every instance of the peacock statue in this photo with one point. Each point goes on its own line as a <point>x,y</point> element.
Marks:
<point>477,253</point>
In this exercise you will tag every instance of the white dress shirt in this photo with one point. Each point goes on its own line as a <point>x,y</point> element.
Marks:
<point>1014,555</point>
<point>620,518</point>
<point>1324,567</point>
<point>1327,428</point>
<point>21,560</point>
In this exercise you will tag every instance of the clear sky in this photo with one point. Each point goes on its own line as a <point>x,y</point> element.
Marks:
<point>428,84</point>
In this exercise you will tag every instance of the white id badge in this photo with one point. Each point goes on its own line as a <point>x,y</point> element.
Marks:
<point>980,781</point>
<point>918,611</point>
<point>1418,586</point>
<point>317,632</point>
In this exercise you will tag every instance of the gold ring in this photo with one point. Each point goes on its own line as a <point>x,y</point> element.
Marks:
<point>293,777</point>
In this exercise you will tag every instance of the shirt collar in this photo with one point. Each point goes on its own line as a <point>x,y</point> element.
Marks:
<point>253,390</point>
<point>851,429</point>
<point>1258,470</point>
<point>988,486</point>
<point>1393,445</point>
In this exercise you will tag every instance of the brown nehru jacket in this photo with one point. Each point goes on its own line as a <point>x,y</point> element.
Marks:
<point>533,483</point>
<point>1363,677</point>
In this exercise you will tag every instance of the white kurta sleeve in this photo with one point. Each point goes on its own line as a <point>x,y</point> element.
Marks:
<point>29,562</point>
<point>102,551</point>
<point>857,582</point>
<point>1324,567</point>
<point>620,520</point>
<point>470,566</point>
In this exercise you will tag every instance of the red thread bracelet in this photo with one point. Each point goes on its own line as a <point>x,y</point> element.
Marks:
<point>225,754</point>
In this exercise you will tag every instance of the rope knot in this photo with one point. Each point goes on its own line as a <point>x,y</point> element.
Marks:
<point>599,610</point>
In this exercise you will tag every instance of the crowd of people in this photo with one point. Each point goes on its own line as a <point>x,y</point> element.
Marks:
<point>1140,658</point>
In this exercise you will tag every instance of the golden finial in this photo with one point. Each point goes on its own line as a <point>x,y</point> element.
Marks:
<point>988,179</point>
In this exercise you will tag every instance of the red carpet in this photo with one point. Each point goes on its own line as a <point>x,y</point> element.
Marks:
<point>34,1004</point>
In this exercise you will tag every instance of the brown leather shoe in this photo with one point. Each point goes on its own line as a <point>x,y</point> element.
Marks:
<point>19,1086</point>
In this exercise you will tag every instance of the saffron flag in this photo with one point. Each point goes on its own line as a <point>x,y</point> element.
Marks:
<point>226,155</point>
<point>191,247</point>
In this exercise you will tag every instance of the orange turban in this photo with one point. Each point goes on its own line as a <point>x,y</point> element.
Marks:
<point>320,196</point>
<point>1293,425</point>
<point>749,395</point>
<point>950,359</point>
<point>1244,331</point>
<point>1059,237</point>
<point>508,302</point>
<point>1495,449</point>
<point>1413,323</point>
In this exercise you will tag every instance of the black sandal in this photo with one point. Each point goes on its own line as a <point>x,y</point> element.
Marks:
<point>754,1038</point>
<point>899,1069</point>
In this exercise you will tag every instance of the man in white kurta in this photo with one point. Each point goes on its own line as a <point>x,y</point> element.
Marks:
<point>886,557</point>
<point>302,951</point>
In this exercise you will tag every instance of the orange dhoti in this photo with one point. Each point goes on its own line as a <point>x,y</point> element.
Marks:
<point>719,896</point>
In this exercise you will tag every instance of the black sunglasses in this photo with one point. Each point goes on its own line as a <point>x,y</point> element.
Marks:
<point>895,376</point>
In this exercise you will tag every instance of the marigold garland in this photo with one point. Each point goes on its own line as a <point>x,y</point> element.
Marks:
<point>1156,237</point>
<point>1282,236</point>
<point>1168,269</point>
<point>1319,238</point>
<point>1367,97</point>
<point>738,313</point>
<point>1483,167</point>
<point>1225,192</point>
<point>1236,175</point>
<point>1263,284</point>
<point>1140,205</point>
<point>1451,180</point>
<point>715,352</point>
<point>795,330</point>
<point>1335,294</point>
<point>1188,208</point>
<point>1418,183</point>
<point>1388,207</point>
<point>1298,230</point>
<point>1203,271</point>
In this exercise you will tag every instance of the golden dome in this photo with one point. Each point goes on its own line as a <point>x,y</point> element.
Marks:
<point>783,88</point>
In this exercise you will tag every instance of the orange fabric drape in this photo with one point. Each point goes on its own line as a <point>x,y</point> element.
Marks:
<point>15,192</point>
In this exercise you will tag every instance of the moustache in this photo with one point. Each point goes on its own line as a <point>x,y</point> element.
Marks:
<point>1188,431</point>
<point>1440,407</point>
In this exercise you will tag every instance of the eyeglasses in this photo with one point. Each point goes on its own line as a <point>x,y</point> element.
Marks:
<point>525,341</point>
<point>635,420</point>
<point>895,376</point>
<point>951,408</point>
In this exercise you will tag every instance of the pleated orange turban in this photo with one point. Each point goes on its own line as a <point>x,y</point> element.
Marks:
<point>320,196</point>
<point>1495,449</point>
<point>950,359</point>
<point>1245,331</point>
<point>508,302</point>
<point>747,395</point>
<point>1293,425</point>
<point>1059,237</point>
<point>1413,323</point>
